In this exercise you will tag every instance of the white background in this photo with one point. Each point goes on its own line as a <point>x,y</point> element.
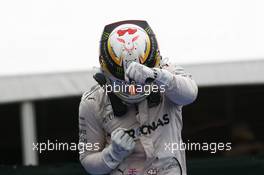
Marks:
<point>63,35</point>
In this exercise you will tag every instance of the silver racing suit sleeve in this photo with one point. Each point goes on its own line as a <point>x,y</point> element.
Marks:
<point>180,88</point>
<point>91,139</point>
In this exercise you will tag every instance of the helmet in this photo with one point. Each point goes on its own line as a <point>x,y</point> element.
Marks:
<point>122,43</point>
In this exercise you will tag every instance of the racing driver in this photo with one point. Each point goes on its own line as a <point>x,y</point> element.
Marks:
<point>126,120</point>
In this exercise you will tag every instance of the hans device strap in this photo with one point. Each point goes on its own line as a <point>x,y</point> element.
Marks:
<point>119,107</point>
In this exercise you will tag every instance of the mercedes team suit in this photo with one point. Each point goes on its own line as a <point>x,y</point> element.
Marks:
<point>152,128</point>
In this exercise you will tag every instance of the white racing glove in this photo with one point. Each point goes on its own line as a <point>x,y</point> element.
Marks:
<point>122,146</point>
<point>140,73</point>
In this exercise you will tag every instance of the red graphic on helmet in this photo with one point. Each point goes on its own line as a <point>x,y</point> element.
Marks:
<point>129,31</point>
<point>128,42</point>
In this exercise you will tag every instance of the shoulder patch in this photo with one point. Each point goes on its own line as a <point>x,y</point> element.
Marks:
<point>86,95</point>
